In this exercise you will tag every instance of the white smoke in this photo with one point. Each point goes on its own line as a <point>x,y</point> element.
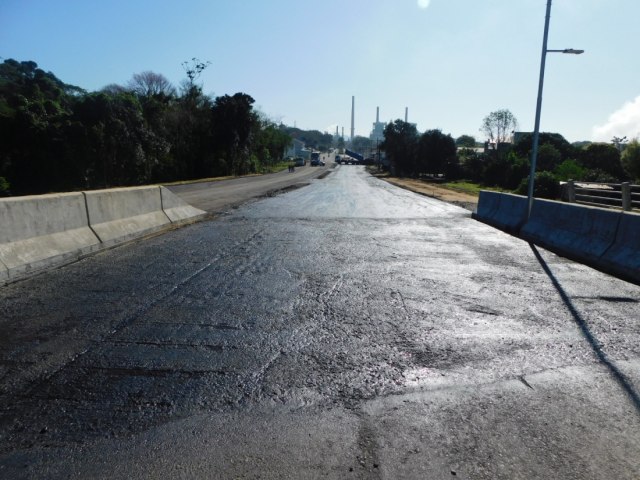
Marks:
<point>623,122</point>
<point>423,3</point>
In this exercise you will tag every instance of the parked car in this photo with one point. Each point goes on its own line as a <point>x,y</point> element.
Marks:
<point>300,162</point>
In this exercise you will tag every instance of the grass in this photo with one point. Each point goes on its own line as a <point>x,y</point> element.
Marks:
<point>469,187</point>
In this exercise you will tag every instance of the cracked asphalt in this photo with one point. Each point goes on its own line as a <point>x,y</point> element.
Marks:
<point>347,329</point>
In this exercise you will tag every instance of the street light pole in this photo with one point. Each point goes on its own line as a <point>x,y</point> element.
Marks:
<point>536,128</point>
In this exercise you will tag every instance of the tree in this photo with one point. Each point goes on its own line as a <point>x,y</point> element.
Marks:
<point>631,159</point>
<point>150,84</point>
<point>603,157</point>
<point>525,142</point>
<point>361,144</point>
<point>498,125</point>
<point>569,170</point>
<point>548,158</point>
<point>401,145</point>
<point>233,125</point>
<point>435,152</point>
<point>466,141</point>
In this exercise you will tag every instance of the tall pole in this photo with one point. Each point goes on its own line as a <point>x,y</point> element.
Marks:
<point>353,106</point>
<point>536,128</point>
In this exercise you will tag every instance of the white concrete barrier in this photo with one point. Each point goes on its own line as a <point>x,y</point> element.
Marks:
<point>575,231</point>
<point>39,231</point>
<point>44,230</point>
<point>121,214</point>
<point>179,211</point>
<point>488,203</point>
<point>624,255</point>
<point>502,210</point>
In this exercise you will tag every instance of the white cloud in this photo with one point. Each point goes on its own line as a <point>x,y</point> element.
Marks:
<point>623,122</point>
<point>423,3</point>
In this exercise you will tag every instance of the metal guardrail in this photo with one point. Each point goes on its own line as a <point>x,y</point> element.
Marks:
<point>609,195</point>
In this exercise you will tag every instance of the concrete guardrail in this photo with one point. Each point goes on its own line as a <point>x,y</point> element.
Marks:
<point>602,238</point>
<point>624,254</point>
<point>576,231</point>
<point>501,210</point>
<point>37,232</point>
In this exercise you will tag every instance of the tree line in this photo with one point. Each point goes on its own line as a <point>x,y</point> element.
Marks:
<point>505,162</point>
<point>59,137</point>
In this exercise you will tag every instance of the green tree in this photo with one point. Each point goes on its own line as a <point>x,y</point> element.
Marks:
<point>401,145</point>
<point>361,144</point>
<point>466,141</point>
<point>436,152</point>
<point>522,147</point>
<point>569,170</point>
<point>602,157</point>
<point>498,125</point>
<point>233,125</point>
<point>631,159</point>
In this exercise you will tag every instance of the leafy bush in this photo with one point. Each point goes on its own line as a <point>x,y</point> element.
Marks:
<point>4,187</point>
<point>569,170</point>
<point>546,186</point>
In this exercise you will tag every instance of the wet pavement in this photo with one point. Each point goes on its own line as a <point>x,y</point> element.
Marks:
<point>347,329</point>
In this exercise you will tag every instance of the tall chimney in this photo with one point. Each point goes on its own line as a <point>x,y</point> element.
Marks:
<point>353,106</point>
<point>377,114</point>
<point>343,133</point>
<point>406,114</point>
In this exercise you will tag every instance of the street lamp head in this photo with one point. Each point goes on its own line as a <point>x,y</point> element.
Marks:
<point>566,50</point>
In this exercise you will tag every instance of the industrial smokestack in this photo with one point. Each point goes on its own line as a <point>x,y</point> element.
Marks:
<point>353,106</point>
<point>336,130</point>
<point>377,114</point>
<point>406,114</point>
<point>343,132</point>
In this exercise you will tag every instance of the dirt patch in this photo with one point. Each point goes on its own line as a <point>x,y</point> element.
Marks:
<point>433,190</point>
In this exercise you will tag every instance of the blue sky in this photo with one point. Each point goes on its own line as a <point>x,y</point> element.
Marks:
<point>451,62</point>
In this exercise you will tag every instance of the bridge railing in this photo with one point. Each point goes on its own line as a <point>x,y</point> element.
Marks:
<point>610,195</point>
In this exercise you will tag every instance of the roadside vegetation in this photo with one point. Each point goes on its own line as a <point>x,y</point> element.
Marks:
<point>501,164</point>
<point>59,137</point>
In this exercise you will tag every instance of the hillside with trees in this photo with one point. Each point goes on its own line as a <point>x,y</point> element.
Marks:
<point>59,137</point>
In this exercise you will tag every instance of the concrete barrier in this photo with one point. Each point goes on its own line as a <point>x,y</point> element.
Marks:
<point>179,211</point>
<point>575,231</point>
<point>488,203</point>
<point>39,231</point>
<point>44,230</point>
<point>502,210</point>
<point>121,214</point>
<point>623,257</point>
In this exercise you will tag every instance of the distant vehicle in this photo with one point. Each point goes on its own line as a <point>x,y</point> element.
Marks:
<point>317,163</point>
<point>315,156</point>
<point>338,159</point>
<point>300,162</point>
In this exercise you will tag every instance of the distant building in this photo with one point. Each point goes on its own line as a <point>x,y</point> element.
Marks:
<point>295,149</point>
<point>377,134</point>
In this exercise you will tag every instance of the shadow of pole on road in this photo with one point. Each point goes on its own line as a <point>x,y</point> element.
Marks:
<point>620,378</point>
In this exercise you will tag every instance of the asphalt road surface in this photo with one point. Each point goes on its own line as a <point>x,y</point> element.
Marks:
<point>347,329</point>
<point>220,196</point>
